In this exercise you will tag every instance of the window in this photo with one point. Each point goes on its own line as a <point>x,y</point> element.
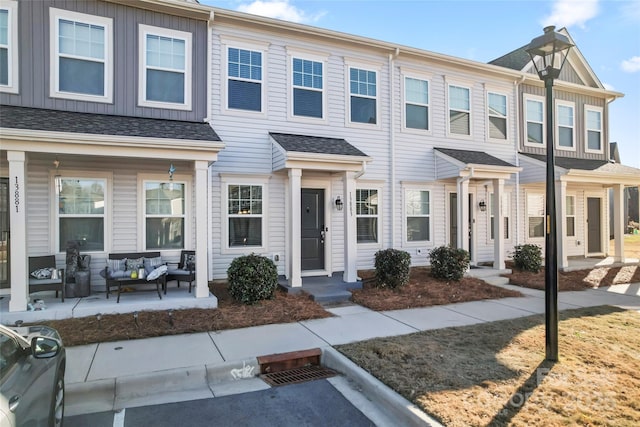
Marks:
<point>417,207</point>
<point>245,215</point>
<point>565,134</point>
<point>164,210</point>
<point>362,87</point>
<point>307,88</point>
<point>367,215</point>
<point>534,110</point>
<point>459,110</point>
<point>535,215</point>
<point>570,216</point>
<point>82,56</point>
<point>9,47</point>
<point>9,356</point>
<point>244,86</point>
<point>416,97</point>
<point>81,213</point>
<point>593,120</point>
<point>165,68</point>
<point>497,115</point>
<point>506,209</point>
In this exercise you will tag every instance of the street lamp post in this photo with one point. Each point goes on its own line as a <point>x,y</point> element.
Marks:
<point>548,54</point>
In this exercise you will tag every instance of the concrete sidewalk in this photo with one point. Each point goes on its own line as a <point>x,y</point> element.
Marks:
<point>111,376</point>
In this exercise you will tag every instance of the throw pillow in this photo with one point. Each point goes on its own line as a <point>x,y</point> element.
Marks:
<point>157,272</point>
<point>42,273</point>
<point>135,263</point>
<point>116,264</point>
<point>151,264</point>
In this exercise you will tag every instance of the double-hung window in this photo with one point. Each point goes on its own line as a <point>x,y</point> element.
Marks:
<point>81,56</point>
<point>535,214</point>
<point>418,215</point>
<point>245,215</point>
<point>244,84</point>
<point>164,215</point>
<point>363,96</point>
<point>459,110</point>
<point>593,121</point>
<point>565,133</point>
<point>367,215</point>
<point>307,88</point>
<point>497,115</point>
<point>81,212</point>
<point>506,205</point>
<point>9,46</point>
<point>165,68</point>
<point>534,111</point>
<point>416,98</point>
<point>570,216</point>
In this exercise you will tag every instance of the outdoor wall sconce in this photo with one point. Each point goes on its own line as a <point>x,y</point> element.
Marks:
<point>172,169</point>
<point>339,204</point>
<point>483,206</point>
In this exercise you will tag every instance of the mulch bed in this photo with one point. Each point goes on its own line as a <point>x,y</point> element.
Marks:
<point>578,280</point>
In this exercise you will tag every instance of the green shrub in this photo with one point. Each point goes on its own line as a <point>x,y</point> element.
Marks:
<point>252,278</point>
<point>393,267</point>
<point>448,263</point>
<point>528,257</point>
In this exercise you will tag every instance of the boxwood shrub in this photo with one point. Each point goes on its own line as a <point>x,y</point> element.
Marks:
<point>528,257</point>
<point>448,263</point>
<point>252,278</point>
<point>393,267</point>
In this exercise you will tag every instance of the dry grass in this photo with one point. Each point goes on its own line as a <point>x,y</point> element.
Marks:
<point>495,373</point>
<point>580,279</point>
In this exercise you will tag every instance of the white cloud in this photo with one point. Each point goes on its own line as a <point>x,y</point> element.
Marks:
<point>568,13</point>
<point>631,65</point>
<point>280,9</point>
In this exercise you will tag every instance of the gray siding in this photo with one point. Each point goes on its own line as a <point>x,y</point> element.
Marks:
<point>35,63</point>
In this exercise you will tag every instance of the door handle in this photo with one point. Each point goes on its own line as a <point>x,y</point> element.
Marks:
<point>14,402</point>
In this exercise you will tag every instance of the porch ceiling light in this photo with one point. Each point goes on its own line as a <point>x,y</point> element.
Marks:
<point>339,204</point>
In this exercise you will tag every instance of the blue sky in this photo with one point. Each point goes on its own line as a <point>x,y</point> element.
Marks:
<point>607,32</point>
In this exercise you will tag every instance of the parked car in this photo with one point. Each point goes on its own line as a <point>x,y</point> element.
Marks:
<point>32,365</point>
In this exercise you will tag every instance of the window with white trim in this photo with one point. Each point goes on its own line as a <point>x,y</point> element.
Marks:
<point>307,88</point>
<point>497,112</point>
<point>534,117</point>
<point>363,96</point>
<point>593,125</point>
<point>164,215</point>
<point>165,68</point>
<point>245,215</point>
<point>570,216</point>
<point>459,110</point>
<point>81,207</point>
<point>506,211</point>
<point>535,214</point>
<point>244,85</point>
<point>418,215</point>
<point>416,99</point>
<point>81,56</point>
<point>367,213</point>
<point>9,46</point>
<point>565,122</point>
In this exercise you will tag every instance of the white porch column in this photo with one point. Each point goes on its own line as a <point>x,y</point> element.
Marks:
<point>350,226</point>
<point>498,224</point>
<point>463,214</point>
<point>202,218</point>
<point>18,228</point>
<point>618,222</point>
<point>561,223</point>
<point>295,234</point>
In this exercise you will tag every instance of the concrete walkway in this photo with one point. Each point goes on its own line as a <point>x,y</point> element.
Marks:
<point>115,375</point>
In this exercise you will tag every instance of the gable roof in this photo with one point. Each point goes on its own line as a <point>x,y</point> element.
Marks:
<point>315,144</point>
<point>473,157</point>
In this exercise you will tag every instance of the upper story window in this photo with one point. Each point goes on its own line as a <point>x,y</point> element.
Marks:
<point>9,46</point>
<point>307,88</point>
<point>497,115</point>
<point>416,98</point>
<point>81,56</point>
<point>244,86</point>
<point>593,129</point>
<point>164,215</point>
<point>459,110</point>
<point>534,116</point>
<point>418,215</point>
<point>367,215</point>
<point>363,95</point>
<point>165,68</point>
<point>565,132</point>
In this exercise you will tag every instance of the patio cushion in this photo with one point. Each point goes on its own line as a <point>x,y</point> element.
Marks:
<point>116,264</point>
<point>157,272</point>
<point>42,273</point>
<point>151,264</point>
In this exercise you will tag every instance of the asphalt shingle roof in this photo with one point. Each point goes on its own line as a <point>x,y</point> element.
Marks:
<point>515,60</point>
<point>474,157</point>
<point>570,163</point>
<point>316,144</point>
<point>103,124</point>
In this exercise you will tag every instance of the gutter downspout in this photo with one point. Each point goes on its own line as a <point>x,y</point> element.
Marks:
<point>362,171</point>
<point>392,145</point>
<point>517,84</point>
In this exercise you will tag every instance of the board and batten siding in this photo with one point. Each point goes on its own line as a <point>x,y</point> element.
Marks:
<point>35,61</point>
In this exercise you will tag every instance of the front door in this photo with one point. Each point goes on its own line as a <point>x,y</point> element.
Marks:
<point>313,229</point>
<point>453,220</point>
<point>594,235</point>
<point>4,233</point>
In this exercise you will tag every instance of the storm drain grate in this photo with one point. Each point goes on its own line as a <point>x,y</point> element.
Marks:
<point>298,375</point>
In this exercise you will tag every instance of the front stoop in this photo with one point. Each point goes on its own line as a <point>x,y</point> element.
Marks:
<point>323,290</point>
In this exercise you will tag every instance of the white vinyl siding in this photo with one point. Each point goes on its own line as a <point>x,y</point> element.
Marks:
<point>9,47</point>
<point>459,110</point>
<point>497,115</point>
<point>534,121</point>
<point>565,123</point>
<point>81,56</point>
<point>593,129</point>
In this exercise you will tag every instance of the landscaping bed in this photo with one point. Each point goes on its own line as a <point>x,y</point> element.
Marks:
<point>578,280</point>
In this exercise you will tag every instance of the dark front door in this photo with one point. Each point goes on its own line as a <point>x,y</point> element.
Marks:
<point>313,228</point>
<point>4,233</point>
<point>594,237</point>
<point>453,220</point>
